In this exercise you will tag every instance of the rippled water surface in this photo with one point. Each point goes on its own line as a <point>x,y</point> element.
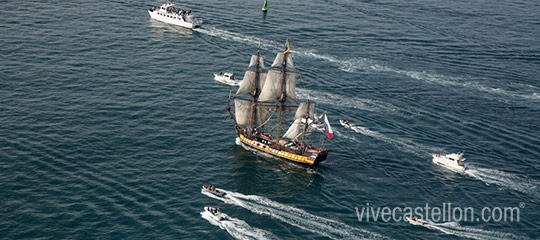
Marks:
<point>111,122</point>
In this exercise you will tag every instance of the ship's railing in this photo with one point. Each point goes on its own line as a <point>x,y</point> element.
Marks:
<point>179,11</point>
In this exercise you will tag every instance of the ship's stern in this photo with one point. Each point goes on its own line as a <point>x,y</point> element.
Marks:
<point>320,157</point>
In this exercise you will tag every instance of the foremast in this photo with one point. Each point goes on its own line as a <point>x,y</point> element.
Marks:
<point>251,113</point>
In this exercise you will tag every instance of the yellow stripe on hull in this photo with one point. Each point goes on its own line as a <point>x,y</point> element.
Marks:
<point>281,154</point>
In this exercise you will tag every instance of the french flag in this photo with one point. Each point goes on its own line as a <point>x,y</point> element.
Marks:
<point>328,128</point>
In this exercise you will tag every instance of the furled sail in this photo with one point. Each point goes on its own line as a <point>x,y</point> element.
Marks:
<point>248,83</point>
<point>272,86</point>
<point>243,112</point>
<point>253,61</point>
<point>304,109</point>
<point>278,61</point>
<point>293,130</point>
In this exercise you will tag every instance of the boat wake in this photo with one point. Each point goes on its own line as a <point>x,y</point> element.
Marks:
<point>453,228</point>
<point>365,104</point>
<point>458,82</point>
<point>367,65</point>
<point>229,82</point>
<point>342,135</point>
<point>237,37</point>
<point>402,144</point>
<point>507,180</point>
<point>237,228</point>
<point>294,216</point>
<point>488,176</point>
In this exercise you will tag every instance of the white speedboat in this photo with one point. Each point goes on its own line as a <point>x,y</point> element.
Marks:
<point>453,161</point>
<point>213,190</point>
<point>215,213</point>
<point>224,76</point>
<point>415,220</point>
<point>345,123</point>
<point>169,13</point>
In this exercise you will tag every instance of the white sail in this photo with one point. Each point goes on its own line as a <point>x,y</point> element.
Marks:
<point>248,82</point>
<point>260,115</point>
<point>253,61</point>
<point>290,81</point>
<point>305,109</point>
<point>272,86</point>
<point>242,111</point>
<point>278,61</point>
<point>293,130</point>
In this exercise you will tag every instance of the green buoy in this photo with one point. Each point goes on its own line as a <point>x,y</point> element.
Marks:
<point>265,6</point>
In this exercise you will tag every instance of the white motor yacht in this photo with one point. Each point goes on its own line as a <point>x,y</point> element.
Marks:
<point>169,13</point>
<point>453,161</point>
<point>224,77</point>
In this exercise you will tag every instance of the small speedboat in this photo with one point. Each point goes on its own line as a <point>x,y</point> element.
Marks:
<point>223,76</point>
<point>345,123</point>
<point>215,213</point>
<point>213,190</point>
<point>453,161</point>
<point>415,220</point>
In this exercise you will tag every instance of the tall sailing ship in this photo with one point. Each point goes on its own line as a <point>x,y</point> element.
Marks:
<point>274,92</point>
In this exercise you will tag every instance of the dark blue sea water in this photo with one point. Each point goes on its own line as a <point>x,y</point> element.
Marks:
<point>110,122</point>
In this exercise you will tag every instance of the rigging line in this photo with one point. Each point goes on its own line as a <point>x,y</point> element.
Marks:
<point>267,119</point>
<point>308,125</point>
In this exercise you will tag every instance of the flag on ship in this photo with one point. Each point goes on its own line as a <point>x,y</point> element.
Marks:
<point>328,128</point>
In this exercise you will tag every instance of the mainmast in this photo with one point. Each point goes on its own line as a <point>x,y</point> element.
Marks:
<point>255,93</point>
<point>283,97</point>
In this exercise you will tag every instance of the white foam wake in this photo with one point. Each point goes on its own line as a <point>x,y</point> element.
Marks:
<point>229,82</point>
<point>352,102</point>
<point>453,228</point>
<point>296,217</point>
<point>238,229</point>
<point>488,176</point>
<point>507,180</point>
<point>237,37</point>
<point>365,64</point>
<point>402,144</point>
<point>457,82</point>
